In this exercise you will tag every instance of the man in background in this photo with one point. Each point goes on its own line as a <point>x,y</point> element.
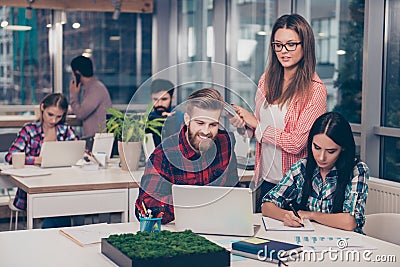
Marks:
<point>92,108</point>
<point>162,96</point>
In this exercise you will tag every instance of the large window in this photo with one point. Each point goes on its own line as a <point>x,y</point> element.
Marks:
<point>391,95</point>
<point>120,49</point>
<point>250,32</point>
<point>195,43</point>
<point>338,27</point>
<point>25,75</point>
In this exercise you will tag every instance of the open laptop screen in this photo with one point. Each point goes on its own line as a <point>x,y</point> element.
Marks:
<point>213,209</point>
<point>61,153</point>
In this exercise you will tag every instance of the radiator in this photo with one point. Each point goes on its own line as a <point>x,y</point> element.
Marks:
<point>383,196</point>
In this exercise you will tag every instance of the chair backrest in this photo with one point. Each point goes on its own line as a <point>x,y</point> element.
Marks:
<point>148,145</point>
<point>6,139</point>
<point>383,226</point>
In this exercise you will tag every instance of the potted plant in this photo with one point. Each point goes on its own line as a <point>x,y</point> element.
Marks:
<point>129,129</point>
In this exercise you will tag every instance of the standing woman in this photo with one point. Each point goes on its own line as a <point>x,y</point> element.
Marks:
<point>51,126</point>
<point>289,98</point>
<point>330,186</point>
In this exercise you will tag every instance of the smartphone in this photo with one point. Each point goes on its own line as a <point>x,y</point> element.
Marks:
<point>77,78</point>
<point>231,110</point>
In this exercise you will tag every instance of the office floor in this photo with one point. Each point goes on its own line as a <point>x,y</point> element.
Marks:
<point>5,219</point>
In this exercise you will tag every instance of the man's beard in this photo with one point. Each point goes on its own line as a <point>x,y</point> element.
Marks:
<point>161,109</point>
<point>203,145</point>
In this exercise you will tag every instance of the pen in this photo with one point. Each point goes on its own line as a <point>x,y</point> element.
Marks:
<point>295,213</point>
<point>144,209</point>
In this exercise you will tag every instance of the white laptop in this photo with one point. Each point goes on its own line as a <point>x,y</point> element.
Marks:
<point>61,153</point>
<point>213,209</point>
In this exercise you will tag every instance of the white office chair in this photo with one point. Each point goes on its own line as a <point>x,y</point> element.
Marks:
<point>383,226</point>
<point>13,210</point>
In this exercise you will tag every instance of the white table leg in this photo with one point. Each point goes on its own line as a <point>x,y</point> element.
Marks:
<point>29,212</point>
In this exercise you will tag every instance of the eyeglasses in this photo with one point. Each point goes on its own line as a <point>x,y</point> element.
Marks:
<point>291,46</point>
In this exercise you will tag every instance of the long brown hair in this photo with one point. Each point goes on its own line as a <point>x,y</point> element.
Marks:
<point>300,84</point>
<point>55,100</point>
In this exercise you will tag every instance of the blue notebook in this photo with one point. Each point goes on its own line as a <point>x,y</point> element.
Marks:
<point>266,249</point>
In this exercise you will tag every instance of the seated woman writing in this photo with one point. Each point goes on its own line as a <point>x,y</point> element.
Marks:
<point>51,126</point>
<point>330,186</point>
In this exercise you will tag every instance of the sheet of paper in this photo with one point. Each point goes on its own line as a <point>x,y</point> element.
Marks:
<point>27,171</point>
<point>321,242</point>
<point>89,234</point>
<point>276,225</point>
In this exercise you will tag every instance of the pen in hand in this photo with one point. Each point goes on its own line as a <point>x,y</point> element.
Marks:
<point>295,213</point>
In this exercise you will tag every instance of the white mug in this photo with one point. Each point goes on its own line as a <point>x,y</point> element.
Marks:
<point>18,160</point>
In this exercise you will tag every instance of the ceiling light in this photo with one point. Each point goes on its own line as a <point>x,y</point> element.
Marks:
<point>4,23</point>
<point>341,52</point>
<point>115,38</point>
<point>263,33</point>
<point>76,25</point>
<point>17,28</point>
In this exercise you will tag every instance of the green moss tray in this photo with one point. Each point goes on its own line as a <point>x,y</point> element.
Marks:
<point>164,249</point>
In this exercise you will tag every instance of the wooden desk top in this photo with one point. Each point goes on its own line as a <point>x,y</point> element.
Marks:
<point>17,121</point>
<point>76,179</point>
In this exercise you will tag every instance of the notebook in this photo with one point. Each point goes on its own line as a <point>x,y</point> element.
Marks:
<point>61,153</point>
<point>266,249</point>
<point>276,225</point>
<point>213,209</point>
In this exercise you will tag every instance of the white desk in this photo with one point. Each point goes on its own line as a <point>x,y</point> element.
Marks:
<point>73,191</point>
<point>47,247</point>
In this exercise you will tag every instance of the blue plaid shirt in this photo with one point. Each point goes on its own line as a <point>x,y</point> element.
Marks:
<point>321,197</point>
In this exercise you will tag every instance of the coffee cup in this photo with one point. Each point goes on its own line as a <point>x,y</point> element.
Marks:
<point>18,160</point>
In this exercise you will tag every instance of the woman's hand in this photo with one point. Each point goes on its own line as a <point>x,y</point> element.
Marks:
<point>246,116</point>
<point>306,214</point>
<point>38,160</point>
<point>292,220</point>
<point>236,121</point>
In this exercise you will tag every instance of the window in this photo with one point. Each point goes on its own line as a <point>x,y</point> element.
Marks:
<point>120,60</point>
<point>26,58</point>
<point>249,45</point>
<point>339,31</point>
<point>121,51</point>
<point>391,96</point>
<point>195,43</point>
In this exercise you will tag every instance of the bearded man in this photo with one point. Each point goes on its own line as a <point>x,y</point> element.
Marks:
<point>199,154</point>
<point>162,96</point>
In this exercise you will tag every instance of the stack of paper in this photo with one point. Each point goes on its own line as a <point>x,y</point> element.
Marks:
<point>89,234</point>
<point>28,171</point>
<point>276,225</point>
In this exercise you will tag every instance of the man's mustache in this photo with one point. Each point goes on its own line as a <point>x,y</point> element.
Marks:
<point>160,108</point>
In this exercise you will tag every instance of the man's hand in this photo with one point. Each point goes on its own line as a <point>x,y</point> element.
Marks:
<point>73,88</point>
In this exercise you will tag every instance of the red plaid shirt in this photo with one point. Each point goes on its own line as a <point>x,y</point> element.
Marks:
<point>175,162</point>
<point>292,140</point>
